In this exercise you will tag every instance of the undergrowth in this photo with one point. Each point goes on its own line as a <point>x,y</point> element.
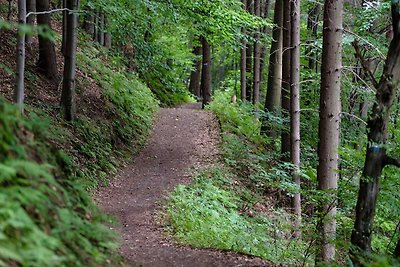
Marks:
<point>48,167</point>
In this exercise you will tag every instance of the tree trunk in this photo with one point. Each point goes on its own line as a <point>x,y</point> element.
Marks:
<point>100,33</point>
<point>295,110</point>
<point>89,22</point>
<point>329,127</point>
<point>20,86</point>
<point>249,59</point>
<point>286,62</point>
<point>47,63</point>
<point>312,26</point>
<point>194,85</point>
<point>96,25</point>
<point>257,56</point>
<point>264,15</point>
<point>274,86</point>
<point>68,89</point>
<point>376,158</point>
<point>64,27</point>
<point>107,34</point>
<point>206,72</point>
<point>31,7</point>
<point>243,65</point>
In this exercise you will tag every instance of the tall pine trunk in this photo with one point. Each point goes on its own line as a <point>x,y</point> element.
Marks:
<point>329,123</point>
<point>249,58</point>
<point>243,62</point>
<point>20,85</point>
<point>257,56</point>
<point>295,110</point>
<point>68,89</point>
<point>206,72</point>
<point>274,86</point>
<point>30,7</point>
<point>47,63</point>
<point>194,85</point>
<point>286,63</point>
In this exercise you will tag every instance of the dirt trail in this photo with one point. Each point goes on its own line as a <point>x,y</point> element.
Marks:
<point>183,138</point>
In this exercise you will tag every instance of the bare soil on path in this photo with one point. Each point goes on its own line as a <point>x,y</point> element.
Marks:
<point>183,139</point>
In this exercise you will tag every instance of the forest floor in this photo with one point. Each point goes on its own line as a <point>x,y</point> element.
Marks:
<point>183,140</point>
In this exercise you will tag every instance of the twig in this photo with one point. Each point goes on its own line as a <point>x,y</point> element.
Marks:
<point>51,11</point>
<point>354,116</point>
<point>365,67</point>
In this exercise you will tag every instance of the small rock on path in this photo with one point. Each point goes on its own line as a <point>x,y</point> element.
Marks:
<point>182,139</point>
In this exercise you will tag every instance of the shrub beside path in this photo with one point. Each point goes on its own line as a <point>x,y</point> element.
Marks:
<point>182,139</point>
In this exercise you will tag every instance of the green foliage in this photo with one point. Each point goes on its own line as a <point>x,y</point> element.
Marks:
<point>213,213</point>
<point>45,221</point>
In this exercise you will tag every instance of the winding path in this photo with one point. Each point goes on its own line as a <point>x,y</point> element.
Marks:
<point>183,139</point>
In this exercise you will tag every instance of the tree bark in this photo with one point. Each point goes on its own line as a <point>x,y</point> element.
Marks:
<point>312,26</point>
<point>68,89</point>
<point>257,56</point>
<point>249,59</point>
<point>274,86</point>
<point>243,62</point>
<point>195,76</point>
<point>295,110</point>
<point>20,86</point>
<point>206,72</point>
<point>89,22</point>
<point>47,63</point>
<point>329,127</point>
<point>286,62</point>
<point>100,33</point>
<point>31,7</point>
<point>107,34</point>
<point>264,15</point>
<point>376,157</point>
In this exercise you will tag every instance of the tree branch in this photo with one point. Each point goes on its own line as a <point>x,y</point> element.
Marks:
<point>365,67</point>
<point>391,161</point>
<point>51,11</point>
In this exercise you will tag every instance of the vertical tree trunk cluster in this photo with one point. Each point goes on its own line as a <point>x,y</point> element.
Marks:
<point>257,57</point>
<point>329,123</point>
<point>96,24</point>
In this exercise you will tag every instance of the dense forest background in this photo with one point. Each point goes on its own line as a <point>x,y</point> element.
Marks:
<point>305,92</point>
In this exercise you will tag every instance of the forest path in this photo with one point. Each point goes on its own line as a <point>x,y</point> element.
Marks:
<point>182,139</point>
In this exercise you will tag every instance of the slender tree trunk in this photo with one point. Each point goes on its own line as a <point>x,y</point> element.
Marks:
<point>329,126</point>
<point>249,59</point>
<point>264,15</point>
<point>100,33</point>
<point>295,110</point>
<point>20,86</point>
<point>257,56</point>
<point>107,35</point>
<point>195,76</point>
<point>243,65</point>
<point>376,157</point>
<point>31,7</point>
<point>312,26</point>
<point>96,25</point>
<point>47,63</point>
<point>206,72</point>
<point>64,28</point>
<point>274,86</point>
<point>68,89</point>
<point>89,22</point>
<point>286,63</point>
